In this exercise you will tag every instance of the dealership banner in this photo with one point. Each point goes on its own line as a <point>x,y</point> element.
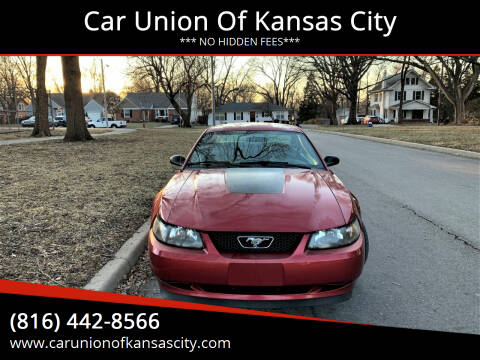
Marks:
<point>49,319</point>
<point>225,28</point>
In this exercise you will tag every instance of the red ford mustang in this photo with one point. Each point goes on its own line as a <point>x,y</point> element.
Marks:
<point>254,214</point>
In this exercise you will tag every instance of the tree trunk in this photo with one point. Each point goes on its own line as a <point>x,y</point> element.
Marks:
<point>352,116</point>
<point>76,125</point>
<point>459,110</point>
<point>40,102</point>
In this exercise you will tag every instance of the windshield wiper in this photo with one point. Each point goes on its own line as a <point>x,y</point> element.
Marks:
<point>283,164</point>
<point>211,163</point>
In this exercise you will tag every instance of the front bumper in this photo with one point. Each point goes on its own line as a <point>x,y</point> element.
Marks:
<point>304,274</point>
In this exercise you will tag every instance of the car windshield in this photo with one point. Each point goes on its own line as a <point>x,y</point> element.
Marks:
<point>254,148</point>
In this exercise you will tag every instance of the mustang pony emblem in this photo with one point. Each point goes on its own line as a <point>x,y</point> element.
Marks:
<point>260,242</point>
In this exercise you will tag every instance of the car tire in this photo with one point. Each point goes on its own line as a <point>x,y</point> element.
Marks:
<point>113,126</point>
<point>365,236</point>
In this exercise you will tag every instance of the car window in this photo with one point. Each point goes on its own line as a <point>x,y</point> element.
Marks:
<point>240,147</point>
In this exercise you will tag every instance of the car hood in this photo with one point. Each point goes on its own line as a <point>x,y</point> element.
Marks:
<point>255,199</point>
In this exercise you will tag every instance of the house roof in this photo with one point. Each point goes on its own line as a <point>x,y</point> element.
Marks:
<point>393,79</point>
<point>260,106</point>
<point>152,100</point>
<point>58,100</point>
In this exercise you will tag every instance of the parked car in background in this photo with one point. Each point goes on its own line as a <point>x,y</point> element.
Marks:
<point>176,120</point>
<point>30,122</point>
<point>374,119</point>
<point>60,121</point>
<point>360,119</point>
<point>102,123</point>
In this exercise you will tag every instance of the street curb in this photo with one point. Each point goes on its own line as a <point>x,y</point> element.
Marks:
<point>126,257</point>
<point>457,152</point>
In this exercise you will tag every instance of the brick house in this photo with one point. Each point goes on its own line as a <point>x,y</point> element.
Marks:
<point>20,114</point>
<point>148,106</point>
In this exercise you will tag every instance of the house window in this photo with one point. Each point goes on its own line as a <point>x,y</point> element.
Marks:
<point>418,95</point>
<point>21,107</point>
<point>238,116</point>
<point>220,116</point>
<point>160,113</point>
<point>266,113</point>
<point>59,112</point>
<point>414,81</point>
<point>407,81</point>
<point>397,95</point>
<point>281,116</point>
<point>127,114</point>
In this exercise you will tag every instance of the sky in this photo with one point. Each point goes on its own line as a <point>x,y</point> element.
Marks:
<point>115,71</point>
<point>116,68</point>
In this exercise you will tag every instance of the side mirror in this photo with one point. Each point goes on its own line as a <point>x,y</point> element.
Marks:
<point>177,160</point>
<point>331,160</point>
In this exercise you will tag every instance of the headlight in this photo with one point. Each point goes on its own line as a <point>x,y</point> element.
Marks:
<point>177,235</point>
<point>332,238</point>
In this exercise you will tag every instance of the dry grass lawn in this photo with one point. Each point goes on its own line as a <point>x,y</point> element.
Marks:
<point>457,137</point>
<point>66,208</point>
<point>26,132</point>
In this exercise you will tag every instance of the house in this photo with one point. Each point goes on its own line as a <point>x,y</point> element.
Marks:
<point>385,98</point>
<point>56,104</point>
<point>151,106</point>
<point>250,112</point>
<point>8,115</point>
<point>93,110</point>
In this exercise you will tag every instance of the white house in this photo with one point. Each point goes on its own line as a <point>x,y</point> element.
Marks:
<point>385,98</point>
<point>93,110</point>
<point>56,104</point>
<point>249,112</point>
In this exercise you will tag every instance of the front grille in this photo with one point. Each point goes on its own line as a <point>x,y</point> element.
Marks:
<point>282,242</point>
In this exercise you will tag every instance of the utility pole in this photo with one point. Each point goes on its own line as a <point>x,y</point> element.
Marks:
<point>213,90</point>
<point>51,109</point>
<point>105,111</point>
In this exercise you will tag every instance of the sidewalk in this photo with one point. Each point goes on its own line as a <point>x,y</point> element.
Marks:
<point>50,138</point>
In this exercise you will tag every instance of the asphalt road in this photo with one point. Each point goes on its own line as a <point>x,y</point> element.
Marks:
<point>421,211</point>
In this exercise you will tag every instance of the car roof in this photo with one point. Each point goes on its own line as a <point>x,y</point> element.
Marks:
<point>254,126</point>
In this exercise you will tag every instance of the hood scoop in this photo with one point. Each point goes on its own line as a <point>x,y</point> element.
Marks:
<point>255,180</point>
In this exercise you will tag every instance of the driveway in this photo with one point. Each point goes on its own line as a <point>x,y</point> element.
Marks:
<point>421,210</point>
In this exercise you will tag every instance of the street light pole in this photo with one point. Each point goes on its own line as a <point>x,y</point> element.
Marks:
<point>213,90</point>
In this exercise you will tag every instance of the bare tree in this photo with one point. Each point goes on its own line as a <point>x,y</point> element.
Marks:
<point>283,74</point>
<point>351,71</point>
<point>94,74</point>
<point>230,83</point>
<point>326,70</point>
<point>26,69</point>
<point>41,127</point>
<point>11,87</point>
<point>461,77</point>
<point>176,76</point>
<point>76,125</point>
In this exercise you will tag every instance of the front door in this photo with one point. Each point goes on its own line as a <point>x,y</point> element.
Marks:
<point>417,114</point>
<point>252,116</point>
